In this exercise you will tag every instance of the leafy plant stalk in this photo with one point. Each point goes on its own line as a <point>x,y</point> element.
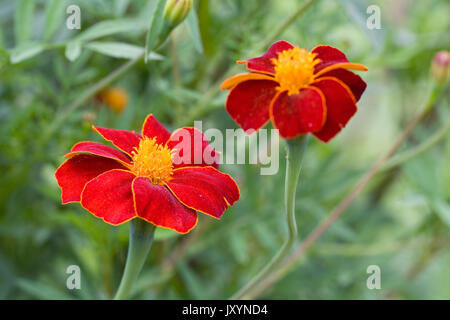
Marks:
<point>295,150</point>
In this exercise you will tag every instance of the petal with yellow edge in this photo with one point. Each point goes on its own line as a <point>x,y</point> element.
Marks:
<point>233,81</point>
<point>152,128</point>
<point>332,58</point>
<point>204,189</point>
<point>299,114</point>
<point>341,106</point>
<point>356,84</point>
<point>190,147</point>
<point>264,63</point>
<point>76,171</point>
<point>157,205</point>
<point>98,149</point>
<point>110,197</point>
<point>123,139</point>
<point>248,103</point>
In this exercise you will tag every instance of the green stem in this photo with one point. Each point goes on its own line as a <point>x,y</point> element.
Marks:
<point>141,238</point>
<point>282,28</point>
<point>416,151</point>
<point>295,150</point>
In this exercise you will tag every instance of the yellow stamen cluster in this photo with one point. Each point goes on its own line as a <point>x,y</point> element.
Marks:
<point>294,69</point>
<point>152,160</point>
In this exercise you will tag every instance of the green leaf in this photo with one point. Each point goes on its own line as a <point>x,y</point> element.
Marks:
<point>110,27</point>
<point>162,234</point>
<point>25,52</point>
<point>239,248</point>
<point>194,30</point>
<point>120,7</point>
<point>54,13</point>
<point>193,283</point>
<point>73,50</point>
<point>42,291</point>
<point>442,209</point>
<point>120,50</point>
<point>155,28</point>
<point>2,39</point>
<point>23,20</point>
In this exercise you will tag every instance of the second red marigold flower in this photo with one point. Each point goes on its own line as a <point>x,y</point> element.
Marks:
<point>301,91</point>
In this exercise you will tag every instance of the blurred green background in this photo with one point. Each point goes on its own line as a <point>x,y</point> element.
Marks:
<point>401,222</point>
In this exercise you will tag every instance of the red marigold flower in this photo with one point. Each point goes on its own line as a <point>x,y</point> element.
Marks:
<point>142,180</point>
<point>301,91</point>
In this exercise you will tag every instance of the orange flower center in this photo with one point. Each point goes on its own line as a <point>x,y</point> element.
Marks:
<point>294,69</point>
<point>152,160</point>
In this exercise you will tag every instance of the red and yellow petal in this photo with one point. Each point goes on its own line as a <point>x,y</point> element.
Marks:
<point>233,81</point>
<point>110,197</point>
<point>264,63</point>
<point>157,205</point>
<point>123,139</point>
<point>98,149</point>
<point>332,58</point>
<point>299,114</point>
<point>356,84</point>
<point>341,106</point>
<point>204,189</point>
<point>190,147</point>
<point>76,171</point>
<point>152,128</point>
<point>248,103</point>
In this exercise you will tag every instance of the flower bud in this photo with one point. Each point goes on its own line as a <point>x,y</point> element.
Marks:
<point>115,98</point>
<point>177,10</point>
<point>440,66</point>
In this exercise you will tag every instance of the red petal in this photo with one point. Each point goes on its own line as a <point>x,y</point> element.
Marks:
<point>109,196</point>
<point>249,103</point>
<point>264,62</point>
<point>352,80</point>
<point>155,204</point>
<point>300,113</point>
<point>204,189</point>
<point>99,150</point>
<point>123,139</point>
<point>152,128</point>
<point>191,148</point>
<point>332,58</point>
<point>328,56</point>
<point>75,172</point>
<point>341,106</point>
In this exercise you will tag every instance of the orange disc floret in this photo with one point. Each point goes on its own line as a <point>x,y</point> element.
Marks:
<point>300,91</point>
<point>139,179</point>
<point>115,98</point>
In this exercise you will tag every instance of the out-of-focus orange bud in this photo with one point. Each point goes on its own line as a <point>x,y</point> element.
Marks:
<point>115,98</point>
<point>440,66</point>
